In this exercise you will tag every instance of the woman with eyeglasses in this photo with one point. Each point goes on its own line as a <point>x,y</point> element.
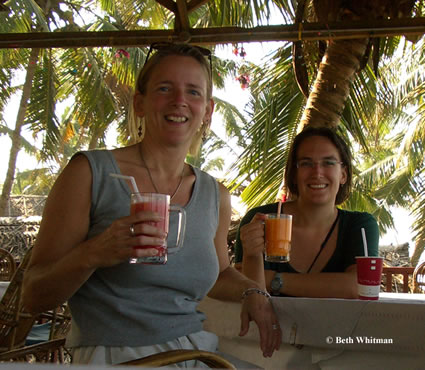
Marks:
<point>325,239</point>
<point>122,311</point>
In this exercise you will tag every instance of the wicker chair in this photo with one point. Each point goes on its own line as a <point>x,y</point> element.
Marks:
<point>211,359</point>
<point>7,265</point>
<point>16,324</point>
<point>419,278</point>
<point>52,350</point>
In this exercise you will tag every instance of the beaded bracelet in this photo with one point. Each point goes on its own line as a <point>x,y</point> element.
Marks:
<point>255,290</point>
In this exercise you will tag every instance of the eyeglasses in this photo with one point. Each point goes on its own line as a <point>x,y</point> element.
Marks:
<point>181,48</point>
<point>323,163</point>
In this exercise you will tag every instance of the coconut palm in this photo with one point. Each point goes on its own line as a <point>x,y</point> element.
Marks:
<point>278,107</point>
<point>51,76</point>
<point>25,16</point>
<point>338,96</point>
<point>72,137</point>
<point>16,136</point>
<point>400,165</point>
<point>99,80</point>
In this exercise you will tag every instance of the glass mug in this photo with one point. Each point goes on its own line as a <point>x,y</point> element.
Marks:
<point>278,237</point>
<point>159,203</point>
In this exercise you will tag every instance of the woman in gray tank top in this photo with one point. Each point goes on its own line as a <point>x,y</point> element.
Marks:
<point>122,311</point>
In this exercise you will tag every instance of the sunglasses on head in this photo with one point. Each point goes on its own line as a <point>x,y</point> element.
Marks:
<point>158,46</point>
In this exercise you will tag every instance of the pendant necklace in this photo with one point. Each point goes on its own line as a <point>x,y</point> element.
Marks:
<point>153,183</point>
<point>325,241</point>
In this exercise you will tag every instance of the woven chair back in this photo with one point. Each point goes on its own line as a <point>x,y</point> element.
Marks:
<point>14,323</point>
<point>7,265</point>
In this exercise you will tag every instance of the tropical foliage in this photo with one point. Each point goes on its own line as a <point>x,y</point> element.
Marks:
<point>372,90</point>
<point>96,83</point>
<point>372,104</point>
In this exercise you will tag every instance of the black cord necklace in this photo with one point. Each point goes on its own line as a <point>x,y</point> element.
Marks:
<point>325,241</point>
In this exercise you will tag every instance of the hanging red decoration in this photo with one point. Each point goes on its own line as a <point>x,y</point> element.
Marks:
<point>244,80</point>
<point>122,53</point>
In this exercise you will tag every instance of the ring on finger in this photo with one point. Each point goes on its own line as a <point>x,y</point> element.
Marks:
<point>275,326</point>
<point>132,230</point>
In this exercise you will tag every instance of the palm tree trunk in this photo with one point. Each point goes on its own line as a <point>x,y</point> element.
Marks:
<point>332,85</point>
<point>16,135</point>
<point>418,251</point>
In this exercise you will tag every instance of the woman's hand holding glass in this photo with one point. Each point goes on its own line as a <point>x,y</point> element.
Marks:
<point>252,236</point>
<point>115,244</point>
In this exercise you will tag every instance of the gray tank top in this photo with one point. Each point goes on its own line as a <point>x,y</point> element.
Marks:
<point>136,304</point>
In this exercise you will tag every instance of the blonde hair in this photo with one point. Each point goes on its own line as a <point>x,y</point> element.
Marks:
<point>136,125</point>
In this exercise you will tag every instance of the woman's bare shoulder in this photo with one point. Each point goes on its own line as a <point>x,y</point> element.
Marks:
<point>127,157</point>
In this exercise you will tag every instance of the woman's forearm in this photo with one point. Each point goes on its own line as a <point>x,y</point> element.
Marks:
<point>319,285</point>
<point>253,268</point>
<point>230,285</point>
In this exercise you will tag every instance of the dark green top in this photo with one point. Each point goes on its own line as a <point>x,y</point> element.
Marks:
<point>349,243</point>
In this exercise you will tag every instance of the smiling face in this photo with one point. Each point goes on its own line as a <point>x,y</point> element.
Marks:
<point>175,102</point>
<point>319,183</point>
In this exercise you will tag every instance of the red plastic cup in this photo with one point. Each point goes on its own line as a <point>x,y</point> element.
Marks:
<point>369,274</point>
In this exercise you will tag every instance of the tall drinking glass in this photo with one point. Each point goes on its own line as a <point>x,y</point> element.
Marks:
<point>278,237</point>
<point>159,203</point>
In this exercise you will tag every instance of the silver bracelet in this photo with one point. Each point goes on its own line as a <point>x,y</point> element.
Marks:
<point>256,291</point>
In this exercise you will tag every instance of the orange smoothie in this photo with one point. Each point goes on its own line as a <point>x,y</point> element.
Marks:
<point>278,237</point>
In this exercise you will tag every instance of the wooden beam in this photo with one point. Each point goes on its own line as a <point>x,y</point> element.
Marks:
<point>182,18</point>
<point>169,4</point>
<point>222,35</point>
<point>191,6</point>
<point>4,8</point>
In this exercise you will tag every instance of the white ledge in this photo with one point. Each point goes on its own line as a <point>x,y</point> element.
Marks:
<point>328,333</point>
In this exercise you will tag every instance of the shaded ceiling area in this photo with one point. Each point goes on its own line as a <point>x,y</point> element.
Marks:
<point>183,32</point>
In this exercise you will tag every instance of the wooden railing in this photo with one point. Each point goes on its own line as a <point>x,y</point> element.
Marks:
<point>388,272</point>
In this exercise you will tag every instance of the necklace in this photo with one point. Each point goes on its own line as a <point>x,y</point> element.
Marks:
<point>151,178</point>
<point>325,241</point>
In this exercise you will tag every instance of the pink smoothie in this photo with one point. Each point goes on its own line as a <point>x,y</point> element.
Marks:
<point>162,209</point>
